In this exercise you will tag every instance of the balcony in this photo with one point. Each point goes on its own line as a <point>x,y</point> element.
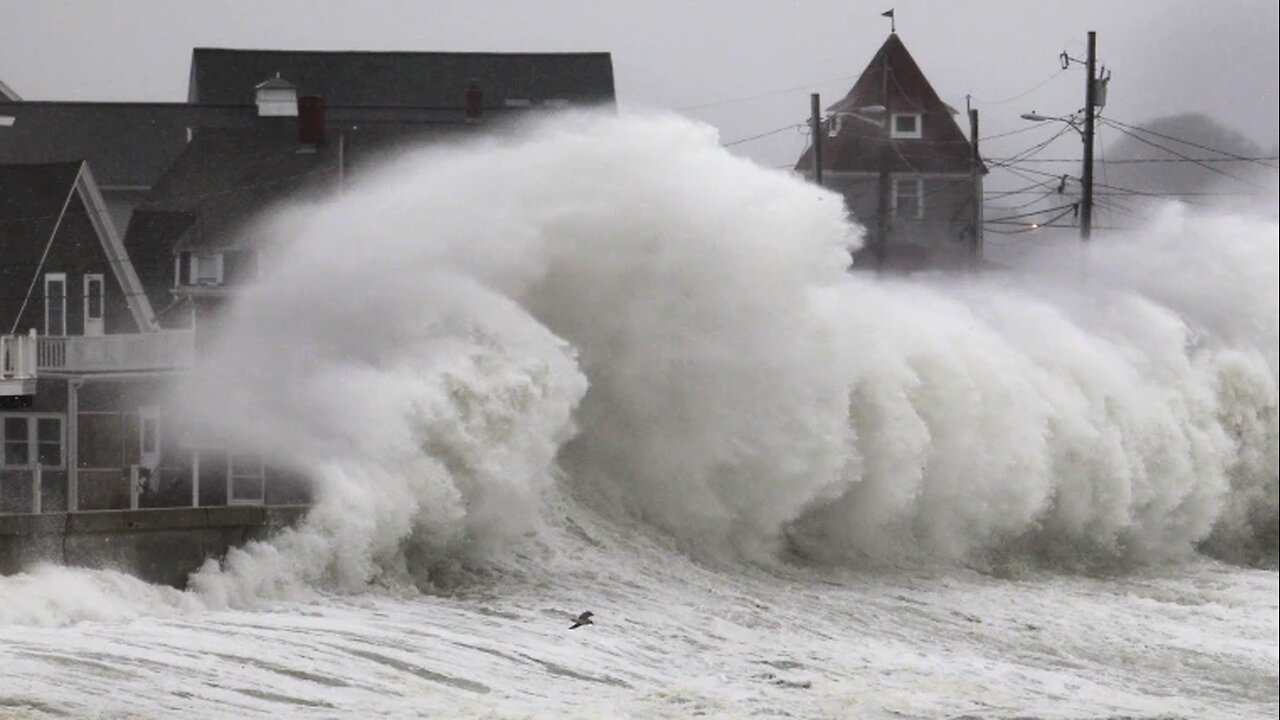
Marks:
<point>17,364</point>
<point>25,357</point>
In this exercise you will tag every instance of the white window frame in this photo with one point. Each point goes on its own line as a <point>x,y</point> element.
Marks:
<point>33,440</point>
<point>260,476</point>
<point>55,277</point>
<point>90,278</point>
<point>906,135</point>
<point>198,259</point>
<point>919,184</point>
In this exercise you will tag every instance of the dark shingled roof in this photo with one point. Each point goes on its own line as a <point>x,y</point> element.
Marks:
<point>858,145</point>
<point>388,79</point>
<point>227,177</point>
<point>126,144</point>
<point>31,199</point>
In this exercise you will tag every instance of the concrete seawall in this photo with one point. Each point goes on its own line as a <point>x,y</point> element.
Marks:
<point>161,545</point>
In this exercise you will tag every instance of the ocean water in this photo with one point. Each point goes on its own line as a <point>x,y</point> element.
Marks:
<point>604,365</point>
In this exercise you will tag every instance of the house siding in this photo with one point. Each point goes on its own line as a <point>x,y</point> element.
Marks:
<point>76,251</point>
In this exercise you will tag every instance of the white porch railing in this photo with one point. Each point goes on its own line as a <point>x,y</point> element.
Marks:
<point>17,356</point>
<point>167,350</point>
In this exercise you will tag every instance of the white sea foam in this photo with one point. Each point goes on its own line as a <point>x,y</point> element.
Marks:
<point>618,308</point>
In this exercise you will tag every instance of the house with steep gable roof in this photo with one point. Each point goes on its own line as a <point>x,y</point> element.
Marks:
<point>891,146</point>
<point>82,362</point>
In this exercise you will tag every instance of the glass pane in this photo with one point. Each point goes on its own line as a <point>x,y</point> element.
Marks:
<point>15,428</point>
<point>50,454</point>
<point>250,465</point>
<point>208,267</point>
<point>247,488</point>
<point>55,307</point>
<point>16,453</point>
<point>49,430</point>
<point>95,299</point>
<point>148,435</point>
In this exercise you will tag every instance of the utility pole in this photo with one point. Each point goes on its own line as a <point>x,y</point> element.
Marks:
<point>1090,99</point>
<point>975,178</point>
<point>815,126</point>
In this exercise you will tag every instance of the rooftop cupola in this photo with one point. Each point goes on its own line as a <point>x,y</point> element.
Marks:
<point>276,98</point>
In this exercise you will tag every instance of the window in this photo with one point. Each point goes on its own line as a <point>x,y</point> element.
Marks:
<point>55,304</point>
<point>246,479</point>
<point>93,292</point>
<point>149,435</point>
<point>49,441</point>
<point>31,439</point>
<point>206,268</point>
<point>908,198</point>
<point>17,441</point>
<point>906,125</point>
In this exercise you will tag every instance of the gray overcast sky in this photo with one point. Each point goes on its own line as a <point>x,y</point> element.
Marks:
<point>1168,56</point>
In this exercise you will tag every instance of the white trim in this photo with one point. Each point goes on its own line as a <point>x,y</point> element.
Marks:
<point>33,440</point>
<point>94,326</point>
<point>121,265</point>
<point>897,134</point>
<point>893,195</point>
<point>62,278</point>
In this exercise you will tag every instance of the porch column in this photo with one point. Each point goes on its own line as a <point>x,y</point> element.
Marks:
<point>195,478</point>
<point>73,443</point>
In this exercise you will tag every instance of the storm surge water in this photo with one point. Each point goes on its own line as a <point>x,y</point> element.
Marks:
<point>619,310</point>
<point>607,357</point>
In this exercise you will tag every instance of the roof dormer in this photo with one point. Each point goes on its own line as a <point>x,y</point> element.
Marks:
<point>276,98</point>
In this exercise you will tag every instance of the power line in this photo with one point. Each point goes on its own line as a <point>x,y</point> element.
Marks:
<point>775,131</point>
<point>1192,144</point>
<point>1024,93</point>
<point>1175,153</point>
<point>1137,161</point>
<point>1028,128</point>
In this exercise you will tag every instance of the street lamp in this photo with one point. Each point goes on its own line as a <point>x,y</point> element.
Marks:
<point>1069,120</point>
<point>1086,181</point>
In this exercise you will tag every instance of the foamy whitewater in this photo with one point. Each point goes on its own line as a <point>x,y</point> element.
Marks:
<point>606,365</point>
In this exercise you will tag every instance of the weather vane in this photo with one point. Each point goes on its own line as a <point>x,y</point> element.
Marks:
<point>893,27</point>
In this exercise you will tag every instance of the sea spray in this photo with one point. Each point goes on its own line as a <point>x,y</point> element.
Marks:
<point>617,310</point>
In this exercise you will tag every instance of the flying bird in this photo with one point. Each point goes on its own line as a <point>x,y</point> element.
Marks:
<point>583,619</point>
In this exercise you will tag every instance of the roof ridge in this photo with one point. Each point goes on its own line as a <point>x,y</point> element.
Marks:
<point>560,53</point>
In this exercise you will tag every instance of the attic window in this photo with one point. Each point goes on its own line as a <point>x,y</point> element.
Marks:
<point>906,125</point>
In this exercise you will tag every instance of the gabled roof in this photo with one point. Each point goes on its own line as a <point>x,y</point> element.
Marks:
<point>33,200</point>
<point>127,144</point>
<point>227,177</point>
<point>909,89</point>
<point>893,83</point>
<point>389,79</point>
<point>7,93</point>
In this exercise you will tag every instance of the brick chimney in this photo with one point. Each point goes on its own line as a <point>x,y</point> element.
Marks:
<point>311,120</point>
<point>474,105</point>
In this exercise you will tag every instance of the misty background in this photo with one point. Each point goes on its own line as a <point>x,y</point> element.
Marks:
<point>745,67</point>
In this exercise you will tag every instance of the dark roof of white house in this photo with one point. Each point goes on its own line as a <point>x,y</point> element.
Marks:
<point>396,79</point>
<point>126,144</point>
